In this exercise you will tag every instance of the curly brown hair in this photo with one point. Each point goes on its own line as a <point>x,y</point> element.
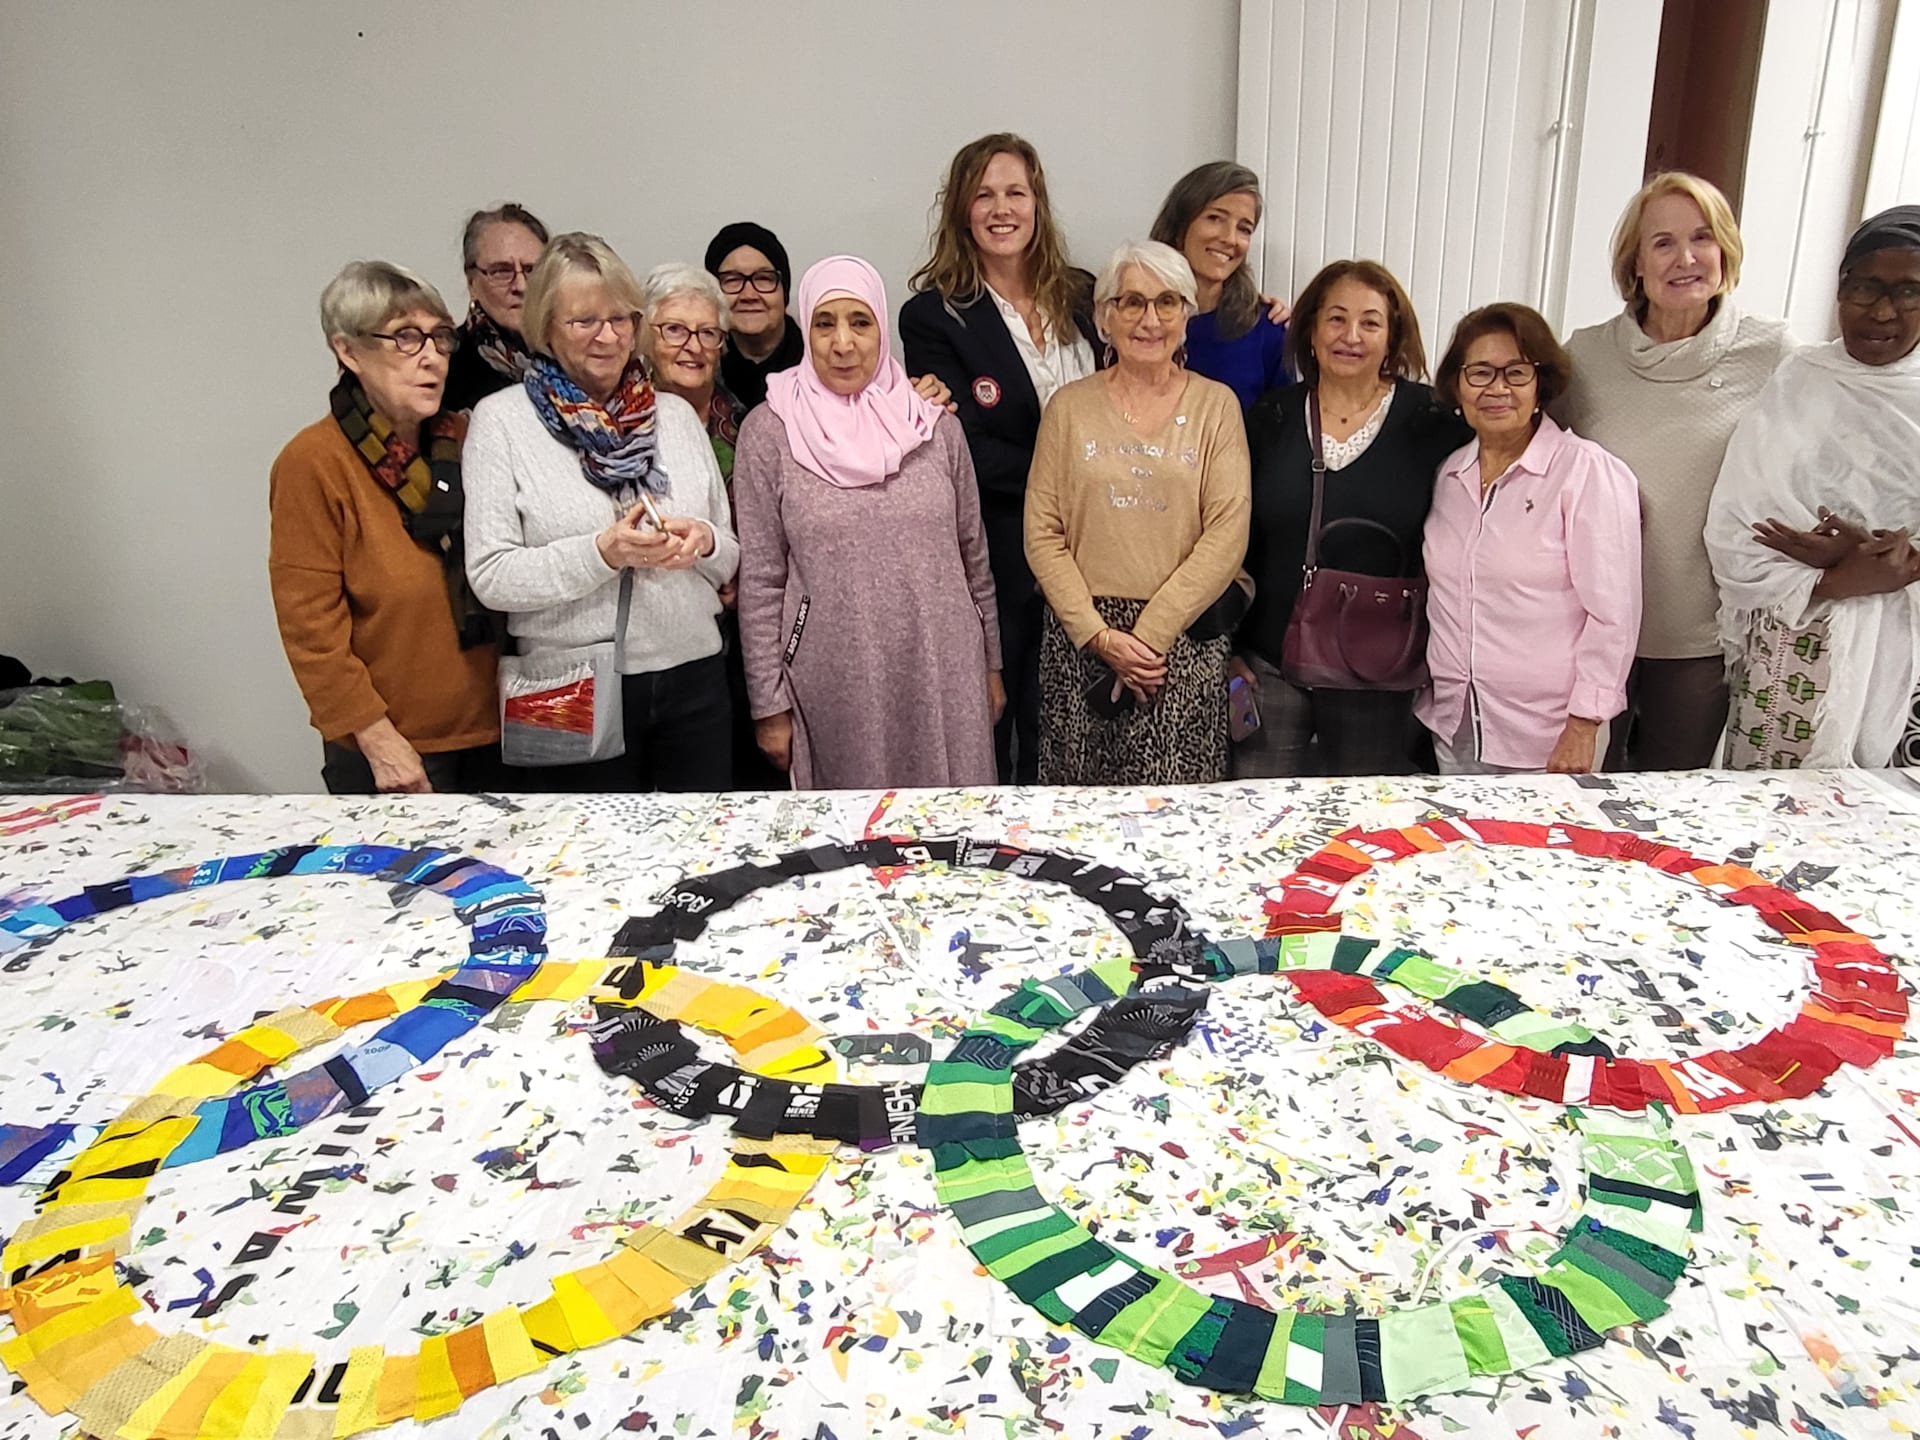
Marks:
<point>1406,356</point>
<point>1530,331</point>
<point>954,266</point>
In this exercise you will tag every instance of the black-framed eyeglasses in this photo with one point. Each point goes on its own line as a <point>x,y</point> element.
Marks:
<point>674,333</point>
<point>1518,374</point>
<point>1865,293</point>
<point>503,273</point>
<point>765,281</point>
<point>411,339</point>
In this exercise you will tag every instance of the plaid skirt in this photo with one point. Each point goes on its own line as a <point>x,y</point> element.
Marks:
<point>1178,738</point>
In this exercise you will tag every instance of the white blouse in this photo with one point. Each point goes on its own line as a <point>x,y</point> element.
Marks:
<point>1051,366</point>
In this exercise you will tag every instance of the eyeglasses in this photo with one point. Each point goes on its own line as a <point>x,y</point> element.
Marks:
<point>765,281</point>
<point>1520,373</point>
<point>411,339</point>
<point>677,334</point>
<point>1168,305</point>
<point>588,326</point>
<point>1866,293</point>
<point>503,273</point>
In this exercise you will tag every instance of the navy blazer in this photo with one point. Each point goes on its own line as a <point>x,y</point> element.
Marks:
<point>969,348</point>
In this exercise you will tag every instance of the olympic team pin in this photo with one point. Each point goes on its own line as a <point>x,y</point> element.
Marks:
<point>986,392</point>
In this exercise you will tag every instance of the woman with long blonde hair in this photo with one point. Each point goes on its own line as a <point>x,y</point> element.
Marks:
<point>1004,319</point>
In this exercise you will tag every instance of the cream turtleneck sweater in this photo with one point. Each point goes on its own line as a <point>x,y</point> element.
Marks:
<point>1668,410</point>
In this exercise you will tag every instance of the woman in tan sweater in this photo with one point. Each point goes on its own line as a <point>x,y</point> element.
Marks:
<point>393,655</point>
<point>1136,526</point>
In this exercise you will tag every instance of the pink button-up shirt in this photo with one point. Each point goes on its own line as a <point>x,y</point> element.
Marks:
<point>1533,595</point>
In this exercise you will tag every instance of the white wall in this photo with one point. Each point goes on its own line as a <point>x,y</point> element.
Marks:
<point>180,180</point>
<point>1817,106</point>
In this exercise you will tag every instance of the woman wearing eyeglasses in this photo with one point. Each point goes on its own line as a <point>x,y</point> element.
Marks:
<point>1136,524</point>
<point>566,473</point>
<point>395,657</point>
<point>683,318</point>
<point>1533,565</point>
<point>1811,531</point>
<point>498,250</point>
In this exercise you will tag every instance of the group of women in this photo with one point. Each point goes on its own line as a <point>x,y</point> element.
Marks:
<point>701,531</point>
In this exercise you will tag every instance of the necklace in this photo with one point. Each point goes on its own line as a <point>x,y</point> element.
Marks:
<point>1127,406</point>
<point>1366,407</point>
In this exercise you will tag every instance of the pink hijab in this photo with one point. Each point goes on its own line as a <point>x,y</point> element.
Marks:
<point>849,440</point>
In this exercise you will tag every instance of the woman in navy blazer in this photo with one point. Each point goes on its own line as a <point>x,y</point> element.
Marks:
<point>1004,320</point>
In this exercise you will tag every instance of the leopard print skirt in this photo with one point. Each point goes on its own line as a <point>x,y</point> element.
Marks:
<point>1179,738</point>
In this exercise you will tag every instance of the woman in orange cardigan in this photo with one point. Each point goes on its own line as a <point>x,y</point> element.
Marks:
<point>394,657</point>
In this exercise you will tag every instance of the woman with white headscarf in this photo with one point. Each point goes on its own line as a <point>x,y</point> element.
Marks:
<point>1810,530</point>
<point>867,615</point>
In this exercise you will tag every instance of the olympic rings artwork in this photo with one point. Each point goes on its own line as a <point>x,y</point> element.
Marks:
<point>80,1348</point>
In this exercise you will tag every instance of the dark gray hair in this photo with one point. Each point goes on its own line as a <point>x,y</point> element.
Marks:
<point>507,214</point>
<point>1239,308</point>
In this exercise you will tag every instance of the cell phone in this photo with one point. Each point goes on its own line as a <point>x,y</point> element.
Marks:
<point>1243,709</point>
<point>649,512</point>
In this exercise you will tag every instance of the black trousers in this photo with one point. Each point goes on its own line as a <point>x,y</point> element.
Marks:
<point>1016,738</point>
<point>679,725</point>
<point>751,768</point>
<point>345,771</point>
<point>1676,711</point>
<point>1326,732</point>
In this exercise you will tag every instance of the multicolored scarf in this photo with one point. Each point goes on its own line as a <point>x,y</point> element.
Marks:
<point>427,489</point>
<point>723,429</point>
<point>616,442</point>
<point>501,349</point>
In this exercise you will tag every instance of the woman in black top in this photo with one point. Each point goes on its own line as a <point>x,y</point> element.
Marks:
<point>1355,342</point>
<point>1004,321</point>
<point>498,250</point>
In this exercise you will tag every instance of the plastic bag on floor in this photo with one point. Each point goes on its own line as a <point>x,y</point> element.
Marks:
<point>66,738</point>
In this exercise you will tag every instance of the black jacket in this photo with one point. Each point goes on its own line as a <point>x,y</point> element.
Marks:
<point>969,348</point>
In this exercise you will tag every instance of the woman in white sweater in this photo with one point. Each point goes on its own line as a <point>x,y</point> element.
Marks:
<point>565,476</point>
<point>1662,385</point>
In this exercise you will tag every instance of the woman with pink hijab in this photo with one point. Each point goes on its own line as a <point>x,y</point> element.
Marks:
<point>867,616</point>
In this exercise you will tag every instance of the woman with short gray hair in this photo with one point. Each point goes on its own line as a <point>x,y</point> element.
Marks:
<point>1136,525</point>
<point>684,315</point>
<point>393,654</point>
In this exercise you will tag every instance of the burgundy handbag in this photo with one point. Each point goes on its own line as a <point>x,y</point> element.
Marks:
<point>1351,631</point>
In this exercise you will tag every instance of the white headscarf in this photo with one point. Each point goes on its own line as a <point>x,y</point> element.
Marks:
<point>1827,430</point>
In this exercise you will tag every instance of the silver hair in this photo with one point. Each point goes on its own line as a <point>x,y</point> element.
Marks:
<point>664,282</point>
<point>1163,262</point>
<point>366,294</point>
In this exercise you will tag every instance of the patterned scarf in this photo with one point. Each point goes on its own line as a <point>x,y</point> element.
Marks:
<point>501,349</point>
<point>616,443</point>
<point>723,429</point>
<point>427,489</point>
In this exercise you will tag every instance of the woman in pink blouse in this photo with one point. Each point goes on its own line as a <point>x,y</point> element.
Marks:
<point>1533,564</point>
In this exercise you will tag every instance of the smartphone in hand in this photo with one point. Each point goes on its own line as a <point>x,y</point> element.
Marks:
<point>649,512</point>
<point>1243,710</point>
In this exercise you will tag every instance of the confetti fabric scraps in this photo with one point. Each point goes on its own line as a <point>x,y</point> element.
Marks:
<point>1853,1015</point>
<point>79,1348</point>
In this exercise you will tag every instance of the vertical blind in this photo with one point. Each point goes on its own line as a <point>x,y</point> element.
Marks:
<point>1426,134</point>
